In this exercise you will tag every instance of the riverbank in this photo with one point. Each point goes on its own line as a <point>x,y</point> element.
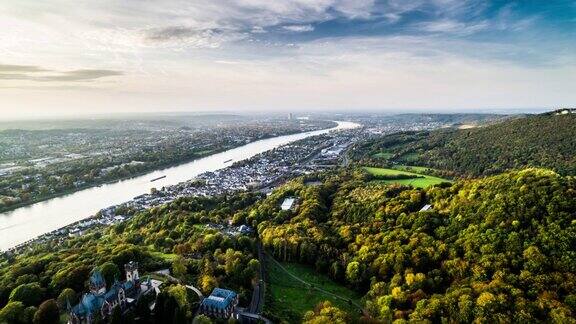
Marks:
<point>148,169</point>
<point>24,224</point>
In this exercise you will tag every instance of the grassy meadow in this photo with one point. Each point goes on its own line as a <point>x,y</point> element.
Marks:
<point>423,182</point>
<point>291,299</point>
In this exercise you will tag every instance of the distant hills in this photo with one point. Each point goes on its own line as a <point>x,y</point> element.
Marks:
<point>545,140</point>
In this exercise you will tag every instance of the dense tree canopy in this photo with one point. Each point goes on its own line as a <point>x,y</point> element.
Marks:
<point>29,294</point>
<point>536,141</point>
<point>494,249</point>
<point>184,236</point>
<point>326,313</point>
<point>47,313</point>
<point>497,249</point>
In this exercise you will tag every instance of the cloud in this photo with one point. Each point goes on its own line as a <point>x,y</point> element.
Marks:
<point>129,27</point>
<point>299,28</point>
<point>193,37</point>
<point>258,30</point>
<point>20,68</point>
<point>179,32</point>
<point>36,73</point>
<point>81,75</point>
<point>15,76</point>
<point>453,27</point>
<point>238,53</point>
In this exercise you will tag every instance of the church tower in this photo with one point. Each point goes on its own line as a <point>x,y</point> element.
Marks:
<point>97,284</point>
<point>131,269</point>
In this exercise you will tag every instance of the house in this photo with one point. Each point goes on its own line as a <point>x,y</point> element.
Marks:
<point>220,304</point>
<point>100,302</point>
<point>288,203</point>
<point>245,229</point>
<point>426,207</point>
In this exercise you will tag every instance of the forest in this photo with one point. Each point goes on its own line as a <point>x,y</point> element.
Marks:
<point>545,140</point>
<point>496,249</point>
<point>180,236</point>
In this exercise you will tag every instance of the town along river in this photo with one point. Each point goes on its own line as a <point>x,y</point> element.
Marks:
<point>25,223</point>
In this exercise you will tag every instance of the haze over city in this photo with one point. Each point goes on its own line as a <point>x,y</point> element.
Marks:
<point>77,58</point>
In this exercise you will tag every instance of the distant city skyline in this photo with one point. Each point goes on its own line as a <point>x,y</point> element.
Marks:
<point>81,58</point>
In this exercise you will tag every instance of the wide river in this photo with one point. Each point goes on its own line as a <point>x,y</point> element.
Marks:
<point>25,223</point>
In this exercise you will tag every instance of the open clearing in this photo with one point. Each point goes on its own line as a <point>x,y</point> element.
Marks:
<point>291,299</point>
<point>384,155</point>
<point>424,182</point>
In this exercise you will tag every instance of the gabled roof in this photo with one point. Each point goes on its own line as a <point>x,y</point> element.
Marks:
<point>96,279</point>
<point>88,305</point>
<point>112,294</point>
<point>219,298</point>
<point>127,285</point>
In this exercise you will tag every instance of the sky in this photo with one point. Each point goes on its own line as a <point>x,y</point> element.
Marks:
<point>80,57</point>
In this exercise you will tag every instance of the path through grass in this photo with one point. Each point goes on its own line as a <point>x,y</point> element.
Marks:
<point>291,298</point>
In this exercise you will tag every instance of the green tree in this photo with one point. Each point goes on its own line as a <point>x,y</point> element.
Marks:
<point>28,315</point>
<point>110,272</point>
<point>116,316</point>
<point>29,294</point>
<point>12,313</point>
<point>47,313</point>
<point>202,319</point>
<point>73,277</point>
<point>67,295</point>
<point>324,312</point>
<point>179,267</point>
<point>353,272</point>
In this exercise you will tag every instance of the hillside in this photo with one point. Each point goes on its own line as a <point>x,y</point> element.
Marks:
<point>497,249</point>
<point>546,140</point>
<point>500,248</point>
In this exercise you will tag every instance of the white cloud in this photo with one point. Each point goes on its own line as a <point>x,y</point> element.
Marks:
<point>299,28</point>
<point>453,26</point>
<point>202,54</point>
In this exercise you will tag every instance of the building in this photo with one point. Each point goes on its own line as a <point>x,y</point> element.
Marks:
<point>220,304</point>
<point>426,207</point>
<point>100,302</point>
<point>245,229</point>
<point>288,203</point>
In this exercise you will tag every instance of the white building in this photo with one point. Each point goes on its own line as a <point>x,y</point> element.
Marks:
<point>287,203</point>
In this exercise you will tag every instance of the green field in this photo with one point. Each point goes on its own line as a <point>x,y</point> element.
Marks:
<point>417,182</point>
<point>384,155</point>
<point>411,168</point>
<point>168,257</point>
<point>291,299</point>
<point>410,157</point>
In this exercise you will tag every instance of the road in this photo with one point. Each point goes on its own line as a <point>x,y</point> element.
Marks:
<point>166,273</point>
<point>257,303</point>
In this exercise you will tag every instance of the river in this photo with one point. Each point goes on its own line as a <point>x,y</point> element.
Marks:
<point>25,223</point>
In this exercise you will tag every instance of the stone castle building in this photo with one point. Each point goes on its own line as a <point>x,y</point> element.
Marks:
<point>101,301</point>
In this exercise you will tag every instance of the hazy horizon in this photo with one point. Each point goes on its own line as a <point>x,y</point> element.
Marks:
<point>278,113</point>
<point>80,58</point>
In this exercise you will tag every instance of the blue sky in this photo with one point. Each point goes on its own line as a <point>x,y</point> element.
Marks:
<point>77,57</point>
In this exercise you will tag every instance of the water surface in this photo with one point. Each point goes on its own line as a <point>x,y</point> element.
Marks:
<point>25,223</point>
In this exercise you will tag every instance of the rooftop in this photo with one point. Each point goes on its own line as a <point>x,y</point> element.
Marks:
<point>219,298</point>
<point>287,204</point>
<point>426,207</point>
